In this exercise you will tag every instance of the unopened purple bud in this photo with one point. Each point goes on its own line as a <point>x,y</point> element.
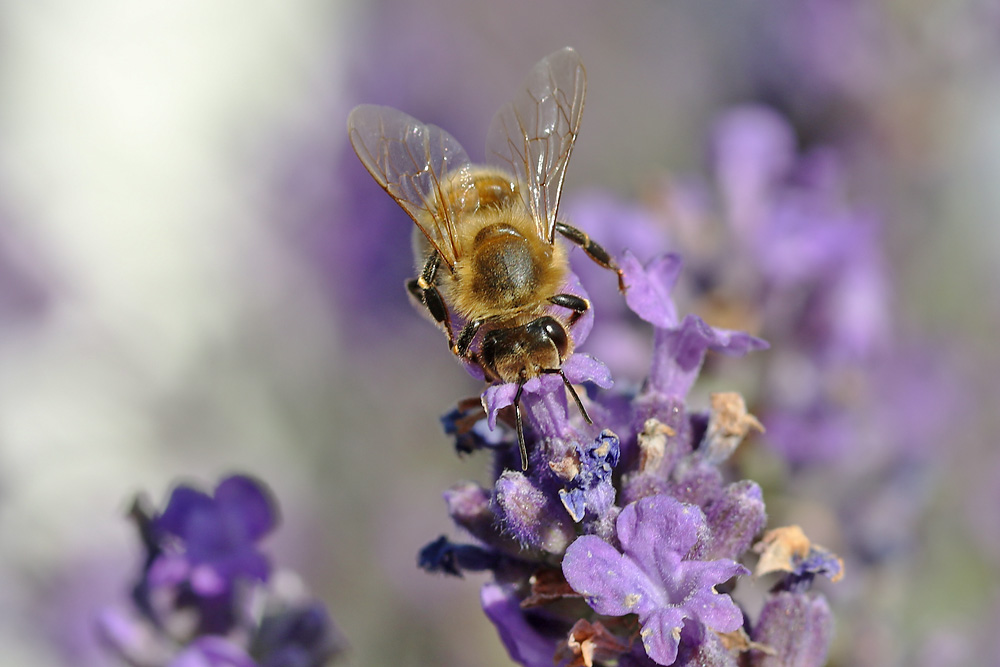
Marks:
<point>446,557</point>
<point>798,628</point>
<point>700,647</point>
<point>533,517</point>
<point>469,507</point>
<point>300,635</point>
<point>695,481</point>
<point>735,519</point>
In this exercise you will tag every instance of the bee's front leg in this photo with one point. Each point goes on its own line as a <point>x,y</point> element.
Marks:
<point>577,304</point>
<point>425,290</point>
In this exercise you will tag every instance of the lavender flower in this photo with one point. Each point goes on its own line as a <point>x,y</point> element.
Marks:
<point>207,595</point>
<point>621,530</point>
<point>651,578</point>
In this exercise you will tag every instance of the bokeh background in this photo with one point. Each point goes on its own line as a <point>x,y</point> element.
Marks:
<point>198,277</point>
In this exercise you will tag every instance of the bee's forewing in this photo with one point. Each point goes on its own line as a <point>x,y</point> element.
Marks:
<point>413,162</point>
<point>533,135</point>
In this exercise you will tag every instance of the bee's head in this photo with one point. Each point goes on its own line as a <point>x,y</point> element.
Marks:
<point>523,352</point>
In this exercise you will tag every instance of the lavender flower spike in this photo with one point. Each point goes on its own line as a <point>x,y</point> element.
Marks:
<point>651,576</point>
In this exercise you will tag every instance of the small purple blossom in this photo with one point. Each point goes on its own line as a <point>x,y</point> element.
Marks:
<point>650,287</point>
<point>650,576</point>
<point>679,353</point>
<point>590,490</point>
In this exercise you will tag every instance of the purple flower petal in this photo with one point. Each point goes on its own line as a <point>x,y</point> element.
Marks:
<point>580,368</point>
<point>661,633</point>
<point>612,582</point>
<point>249,500</point>
<point>653,525</point>
<point>184,501</point>
<point>545,396</point>
<point>525,644</point>
<point>648,288</point>
<point>679,352</point>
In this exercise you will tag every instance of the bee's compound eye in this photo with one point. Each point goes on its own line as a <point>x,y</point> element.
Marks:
<point>556,332</point>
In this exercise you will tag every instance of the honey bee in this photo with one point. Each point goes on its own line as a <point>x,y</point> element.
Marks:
<point>488,248</point>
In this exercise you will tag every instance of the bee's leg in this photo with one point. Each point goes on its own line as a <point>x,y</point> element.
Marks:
<point>593,250</point>
<point>572,391</point>
<point>469,331</point>
<point>520,426</point>
<point>577,304</point>
<point>424,289</point>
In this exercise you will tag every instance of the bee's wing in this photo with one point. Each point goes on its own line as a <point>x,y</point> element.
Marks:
<point>533,134</point>
<point>421,166</point>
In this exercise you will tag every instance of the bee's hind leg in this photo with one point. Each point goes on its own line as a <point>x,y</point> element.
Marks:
<point>593,250</point>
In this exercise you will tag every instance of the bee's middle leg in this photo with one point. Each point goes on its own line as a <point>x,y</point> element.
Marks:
<point>593,250</point>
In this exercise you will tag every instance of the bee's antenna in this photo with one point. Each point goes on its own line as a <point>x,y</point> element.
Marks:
<point>520,427</point>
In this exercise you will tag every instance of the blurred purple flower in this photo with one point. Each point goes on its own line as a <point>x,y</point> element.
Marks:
<point>204,596</point>
<point>797,628</point>
<point>651,578</point>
